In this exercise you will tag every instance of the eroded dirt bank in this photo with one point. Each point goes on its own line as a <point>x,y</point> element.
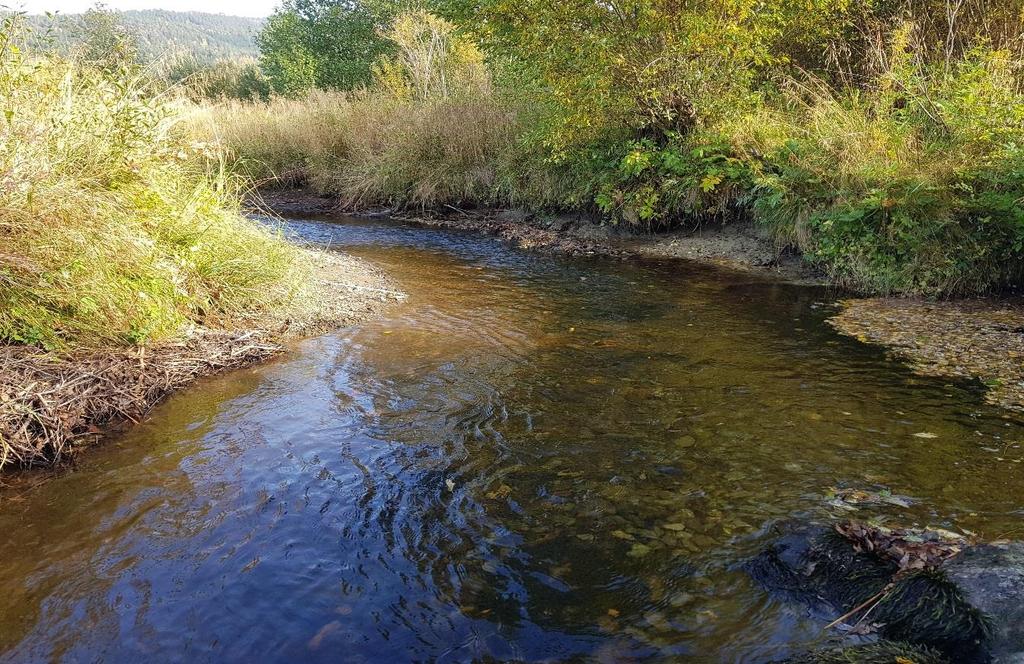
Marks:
<point>52,405</point>
<point>737,246</point>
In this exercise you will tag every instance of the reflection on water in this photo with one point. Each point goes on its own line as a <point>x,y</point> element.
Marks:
<point>532,458</point>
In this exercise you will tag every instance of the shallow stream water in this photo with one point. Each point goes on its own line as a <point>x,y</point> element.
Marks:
<point>532,458</point>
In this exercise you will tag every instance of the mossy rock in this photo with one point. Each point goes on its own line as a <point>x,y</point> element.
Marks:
<point>991,577</point>
<point>817,566</point>
<point>882,652</point>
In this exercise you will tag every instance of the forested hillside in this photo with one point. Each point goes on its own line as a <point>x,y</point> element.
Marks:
<point>160,33</point>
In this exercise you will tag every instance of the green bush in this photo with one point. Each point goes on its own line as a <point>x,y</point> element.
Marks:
<point>695,179</point>
<point>914,187</point>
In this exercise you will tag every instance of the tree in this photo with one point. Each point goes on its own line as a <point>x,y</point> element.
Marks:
<point>321,43</point>
<point>432,60</point>
<point>105,42</point>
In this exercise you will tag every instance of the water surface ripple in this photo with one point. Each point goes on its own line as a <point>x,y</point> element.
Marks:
<point>532,458</point>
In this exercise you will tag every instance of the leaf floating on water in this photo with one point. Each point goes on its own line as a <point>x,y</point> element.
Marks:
<point>888,498</point>
<point>853,496</point>
<point>925,434</point>
<point>944,534</point>
<point>450,484</point>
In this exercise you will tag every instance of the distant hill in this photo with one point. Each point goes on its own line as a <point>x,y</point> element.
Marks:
<point>163,33</point>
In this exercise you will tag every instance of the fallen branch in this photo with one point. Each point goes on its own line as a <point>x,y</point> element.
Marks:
<point>874,600</point>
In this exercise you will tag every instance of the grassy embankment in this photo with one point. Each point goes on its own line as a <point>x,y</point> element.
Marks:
<point>126,267</point>
<point>897,166</point>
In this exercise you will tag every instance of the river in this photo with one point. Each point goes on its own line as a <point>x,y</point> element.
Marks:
<point>533,457</point>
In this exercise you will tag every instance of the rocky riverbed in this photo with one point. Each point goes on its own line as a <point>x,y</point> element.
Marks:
<point>974,339</point>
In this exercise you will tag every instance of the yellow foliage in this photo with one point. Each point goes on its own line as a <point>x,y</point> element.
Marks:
<point>433,60</point>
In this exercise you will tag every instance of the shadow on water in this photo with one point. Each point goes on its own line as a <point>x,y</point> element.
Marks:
<point>532,458</point>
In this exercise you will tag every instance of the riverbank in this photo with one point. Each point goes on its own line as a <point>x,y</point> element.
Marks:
<point>735,246</point>
<point>52,405</point>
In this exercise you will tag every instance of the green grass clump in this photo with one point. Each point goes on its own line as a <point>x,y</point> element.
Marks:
<point>115,229</point>
<point>880,652</point>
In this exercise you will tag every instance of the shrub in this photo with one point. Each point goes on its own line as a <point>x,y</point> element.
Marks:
<point>914,187</point>
<point>432,61</point>
<point>694,179</point>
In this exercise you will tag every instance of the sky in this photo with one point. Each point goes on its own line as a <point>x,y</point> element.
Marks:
<point>233,7</point>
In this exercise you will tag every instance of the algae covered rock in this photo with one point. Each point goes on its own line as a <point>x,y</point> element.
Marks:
<point>881,652</point>
<point>970,609</point>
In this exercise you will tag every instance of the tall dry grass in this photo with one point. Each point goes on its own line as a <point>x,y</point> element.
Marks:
<point>372,148</point>
<point>428,132</point>
<point>114,228</point>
